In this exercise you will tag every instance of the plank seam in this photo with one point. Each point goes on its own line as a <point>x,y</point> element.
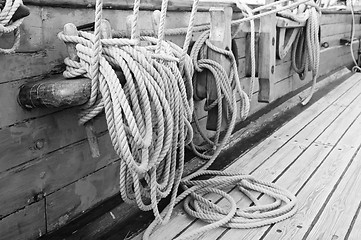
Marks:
<point>353,221</point>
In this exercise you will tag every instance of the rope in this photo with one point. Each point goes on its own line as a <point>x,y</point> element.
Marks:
<point>306,47</point>
<point>7,25</point>
<point>202,28</point>
<point>149,114</point>
<point>356,67</point>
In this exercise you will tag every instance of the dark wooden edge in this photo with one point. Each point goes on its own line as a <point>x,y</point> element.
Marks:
<point>174,5</point>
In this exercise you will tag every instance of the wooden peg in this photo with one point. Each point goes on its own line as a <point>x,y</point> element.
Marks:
<point>129,24</point>
<point>70,30</point>
<point>155,21</point>
<point>105,29</point>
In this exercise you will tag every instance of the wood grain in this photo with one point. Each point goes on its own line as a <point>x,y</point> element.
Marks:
<point>28,223</point>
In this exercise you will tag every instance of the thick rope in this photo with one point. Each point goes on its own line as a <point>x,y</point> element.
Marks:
<point>356,67</point>
<point>306,47</point>
<point>149,115</point>
<point>7,26</point>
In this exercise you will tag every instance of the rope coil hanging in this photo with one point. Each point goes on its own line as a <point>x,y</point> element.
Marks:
<point>7,25</point>
<point>148,116</point>
<point>306,46</point>
<point>149,120</point>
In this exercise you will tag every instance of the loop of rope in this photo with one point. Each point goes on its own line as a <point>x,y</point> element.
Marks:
<point>7,25</point>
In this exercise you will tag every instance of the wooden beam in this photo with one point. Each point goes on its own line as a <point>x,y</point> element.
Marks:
<point>220,36</point>
<point>267,48</point>
<point>56,92</point>
<point>287,23</point>
<point>174,5</point>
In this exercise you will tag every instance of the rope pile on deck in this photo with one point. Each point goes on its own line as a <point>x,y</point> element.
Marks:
<point>149,119</point>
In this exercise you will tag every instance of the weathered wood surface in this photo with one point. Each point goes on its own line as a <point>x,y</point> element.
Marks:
<point>27,223</point>
<point>55,93</point>
<point>45,153</point>
<point>220,36</point>
<point>174,5</point>
<point>267,58</point>
<point>313,142</point>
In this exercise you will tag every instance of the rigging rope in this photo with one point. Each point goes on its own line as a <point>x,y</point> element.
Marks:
<point>149,116</point>
<point>7,25</point>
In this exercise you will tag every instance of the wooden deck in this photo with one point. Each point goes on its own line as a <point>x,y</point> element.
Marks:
<point>316,156</point>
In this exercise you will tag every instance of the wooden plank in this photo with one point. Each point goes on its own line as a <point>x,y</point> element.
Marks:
<point>337,216</point>
<point>30,182</point>
<point>220,36</point>
<point>42,52</point>
<point>69,202</point>
<point>174,5</point>
<point>327,19</point>
<point>11,112</point>
<point>267,49</point>
<point>38,137</point>
<point>315,193</point>
<point>316,150</point>
<point>259,154</point>
<point>322,152</point>
<point>306,162</point>
<point>340,56</point>
<point>28,223</point>
<point>333,29</point>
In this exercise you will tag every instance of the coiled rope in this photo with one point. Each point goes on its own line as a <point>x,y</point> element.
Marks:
<point>149,117</point>
<point>8,26</point>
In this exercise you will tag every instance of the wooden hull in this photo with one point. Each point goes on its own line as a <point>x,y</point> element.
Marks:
<point>47,175</point>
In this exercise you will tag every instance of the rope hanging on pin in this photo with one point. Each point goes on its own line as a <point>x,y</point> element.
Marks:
<point>149,116</point>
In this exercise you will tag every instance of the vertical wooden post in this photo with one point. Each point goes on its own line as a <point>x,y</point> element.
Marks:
<point>70,29</point>
<point>220,36</point>
<point>267,57</point>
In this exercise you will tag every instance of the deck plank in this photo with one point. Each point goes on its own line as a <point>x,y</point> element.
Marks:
<point>334,106</point>
<point>315,193</point>
<point>306,162</point>
<point>338,214</point>
<point>295,176</point>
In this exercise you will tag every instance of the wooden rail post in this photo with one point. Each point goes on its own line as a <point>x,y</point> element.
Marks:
<point>267,57</point>
<point>220,36</point>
